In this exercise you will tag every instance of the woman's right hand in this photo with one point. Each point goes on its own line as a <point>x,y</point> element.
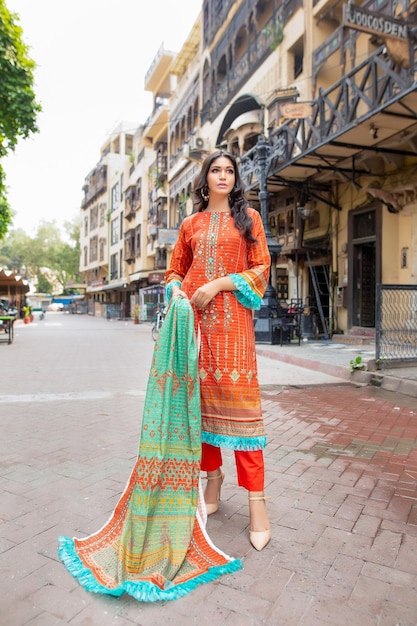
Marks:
<point>176,291</point>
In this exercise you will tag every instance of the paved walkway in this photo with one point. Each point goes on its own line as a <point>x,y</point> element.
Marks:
<point>333,358</point>
<point>341,467</point>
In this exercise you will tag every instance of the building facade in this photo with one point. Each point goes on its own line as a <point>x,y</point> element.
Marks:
<point>318,100</point>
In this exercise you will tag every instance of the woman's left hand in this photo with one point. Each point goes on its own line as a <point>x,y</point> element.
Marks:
<point>204,295</point>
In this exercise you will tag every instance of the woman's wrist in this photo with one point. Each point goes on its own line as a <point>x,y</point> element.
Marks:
<point>224,283</point>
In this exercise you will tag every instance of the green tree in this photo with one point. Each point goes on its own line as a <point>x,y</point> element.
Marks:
<point>18,106</point>
<point>44,286</point>
<point>13,250</point>
<point>45,255</point>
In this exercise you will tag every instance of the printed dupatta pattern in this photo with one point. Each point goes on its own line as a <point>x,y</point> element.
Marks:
<point>155,546</point>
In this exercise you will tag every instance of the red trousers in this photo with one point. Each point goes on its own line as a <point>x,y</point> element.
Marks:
<point>249,466</point>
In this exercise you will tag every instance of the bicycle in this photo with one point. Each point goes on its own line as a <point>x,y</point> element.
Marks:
<point>157,322</point>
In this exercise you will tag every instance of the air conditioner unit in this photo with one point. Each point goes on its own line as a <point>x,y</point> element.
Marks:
<point>199,144</point>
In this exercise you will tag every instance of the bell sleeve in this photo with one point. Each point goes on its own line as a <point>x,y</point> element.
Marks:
<point>251,284</point>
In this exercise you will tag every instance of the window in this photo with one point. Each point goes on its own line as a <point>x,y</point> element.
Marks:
<point>138,193</point>
<point>130,245</point>
<point>282,284</point>
<point>114,231</point>
<point>93,249</point>
<point>296,58</point>
<point>113,266</point>
<point>94,217</point>
<point>138,234</point>
<point>364,225</point>
<point>281,224</point>
<point>241,43</point>
<point>102,213</point>
<point>115,197</point>
<point>85,226</point>
<point>221,70</point>
<point>102,248</point>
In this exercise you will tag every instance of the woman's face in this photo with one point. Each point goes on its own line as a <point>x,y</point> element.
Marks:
<point>221,176</point>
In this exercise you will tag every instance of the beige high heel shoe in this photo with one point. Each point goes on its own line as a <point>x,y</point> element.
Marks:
<point>259,538</point>
<point>213,507</point>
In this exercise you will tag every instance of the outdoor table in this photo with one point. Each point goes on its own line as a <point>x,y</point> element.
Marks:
<point>6,328</point>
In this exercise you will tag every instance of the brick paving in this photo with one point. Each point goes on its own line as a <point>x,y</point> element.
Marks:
<point>341,468</point>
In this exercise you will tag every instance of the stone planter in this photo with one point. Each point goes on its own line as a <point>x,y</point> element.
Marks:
<point>361,376</point>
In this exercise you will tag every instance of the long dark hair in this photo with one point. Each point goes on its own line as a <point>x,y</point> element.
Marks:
<point>237,201</point>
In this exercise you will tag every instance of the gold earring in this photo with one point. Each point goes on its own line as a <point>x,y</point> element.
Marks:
<point>205,194</point>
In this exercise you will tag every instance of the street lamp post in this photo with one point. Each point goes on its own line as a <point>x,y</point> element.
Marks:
<point>266,319</point>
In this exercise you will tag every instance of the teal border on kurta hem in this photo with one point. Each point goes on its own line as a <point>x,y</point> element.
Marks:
<point>141,590</point>
<point>233,443</point>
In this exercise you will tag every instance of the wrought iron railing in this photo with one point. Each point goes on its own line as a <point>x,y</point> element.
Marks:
<point>357,96</point>
<point>396,323</point>
<point>342,39</point>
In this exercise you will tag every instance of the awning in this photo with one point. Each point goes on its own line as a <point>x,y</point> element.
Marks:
<point>12,283</point>
<point>108,286</point>
<point>139,275</point>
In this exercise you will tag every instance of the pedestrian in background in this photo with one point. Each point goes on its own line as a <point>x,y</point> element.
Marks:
<point>221,264</point>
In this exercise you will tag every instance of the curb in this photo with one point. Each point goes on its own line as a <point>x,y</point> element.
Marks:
<point>318,366</point>
<point>377,379</point>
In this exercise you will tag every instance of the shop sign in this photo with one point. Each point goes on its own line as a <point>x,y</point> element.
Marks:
<point>295,110</point>
<point>155,278</point>
<point>374,23</point>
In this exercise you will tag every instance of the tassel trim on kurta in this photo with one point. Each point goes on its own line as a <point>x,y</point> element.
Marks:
<point>244,293</point>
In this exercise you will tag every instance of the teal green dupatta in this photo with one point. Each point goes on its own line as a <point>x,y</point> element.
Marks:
<point>155,545</point>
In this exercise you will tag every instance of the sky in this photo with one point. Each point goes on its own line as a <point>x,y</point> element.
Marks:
<point>91,59</point>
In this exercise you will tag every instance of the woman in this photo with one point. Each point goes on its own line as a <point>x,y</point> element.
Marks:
<point>221,263</point>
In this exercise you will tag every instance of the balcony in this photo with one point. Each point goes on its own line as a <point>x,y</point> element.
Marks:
<point>96,184</point>
<point>245,66</point>
<point>130,255</point>
<point>329,47</point>
<point>343,38</point>
<point>378,94</point>
<point>158,119</point>
<point>130,202</point>
<point>129,212</point>
<point>158,69</point>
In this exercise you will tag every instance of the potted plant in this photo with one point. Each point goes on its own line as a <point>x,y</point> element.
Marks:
<point>136,312</point>
<point>26,314</point>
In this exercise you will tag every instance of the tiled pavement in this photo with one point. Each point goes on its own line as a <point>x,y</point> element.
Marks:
<point>341,472</point>
<point>333,357</point>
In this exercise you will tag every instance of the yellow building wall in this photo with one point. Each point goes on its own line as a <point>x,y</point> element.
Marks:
<point>406,228</point>
<point>390,237</point>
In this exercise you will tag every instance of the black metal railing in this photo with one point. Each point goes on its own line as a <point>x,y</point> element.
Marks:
<point>364,91</point>
<point>396,323</point>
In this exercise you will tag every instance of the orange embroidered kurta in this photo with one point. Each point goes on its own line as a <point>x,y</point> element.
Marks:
<point>208,247</point>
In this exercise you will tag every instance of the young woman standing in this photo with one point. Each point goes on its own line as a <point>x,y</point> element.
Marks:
<point>221,264</point>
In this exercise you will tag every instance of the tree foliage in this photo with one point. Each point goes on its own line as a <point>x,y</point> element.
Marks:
<point>18,106</point>
<point>46,257</point>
